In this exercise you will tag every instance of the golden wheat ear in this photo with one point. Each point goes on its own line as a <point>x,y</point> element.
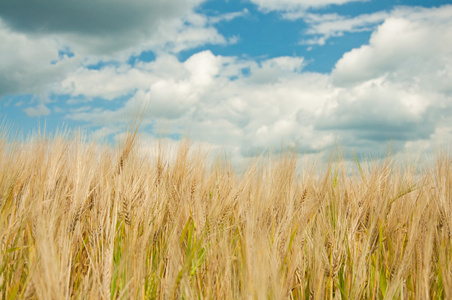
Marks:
<point>132,136</point>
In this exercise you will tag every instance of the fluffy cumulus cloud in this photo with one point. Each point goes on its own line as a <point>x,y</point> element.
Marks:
<point>44,41</point>
<point>108,83</point>
<point>375,112</point>
<point>400,82</point>
<point>29,63</point>
<point>212,99</point>
<point>394,88</point>
<point>403,49</point>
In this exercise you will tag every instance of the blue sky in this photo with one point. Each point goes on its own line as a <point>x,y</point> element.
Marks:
<point>237,75</point>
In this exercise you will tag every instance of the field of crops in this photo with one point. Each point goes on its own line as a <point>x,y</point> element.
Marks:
<point>83,220</point>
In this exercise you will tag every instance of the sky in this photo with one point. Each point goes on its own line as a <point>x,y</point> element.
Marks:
<point>241,75</point>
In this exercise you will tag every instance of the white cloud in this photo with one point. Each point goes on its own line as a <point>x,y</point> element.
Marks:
<point>296,5</point>
<point>165,79</point>
<point>416,48</point>
<point>28,64</point>
<point>275,69</point>
<point>31,60</point>
<point>190,31</point>
<point>37,111</point>
<point>203,67</point>
<point>201,97</point>
<point>396,87</point>
<point>228,16</point>
<point>325,26</point>
<point>108,83</point>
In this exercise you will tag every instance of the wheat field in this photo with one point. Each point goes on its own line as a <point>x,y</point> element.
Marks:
<point>83,220</point>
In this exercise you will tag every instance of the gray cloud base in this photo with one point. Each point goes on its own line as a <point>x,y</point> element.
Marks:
<point>89,17</point>
<point>94,26</point>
